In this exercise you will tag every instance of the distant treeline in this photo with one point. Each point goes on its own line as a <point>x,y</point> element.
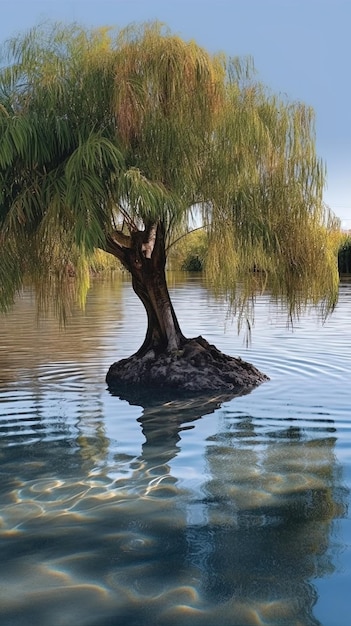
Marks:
<point>344,259</point>
<point>189,254</point>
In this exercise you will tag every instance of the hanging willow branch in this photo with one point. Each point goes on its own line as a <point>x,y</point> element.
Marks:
<point>100,129</point>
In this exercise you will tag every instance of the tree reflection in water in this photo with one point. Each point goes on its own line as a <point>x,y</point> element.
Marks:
<point>132,539</point>
<point>203,519</point>
<point>252,540</point>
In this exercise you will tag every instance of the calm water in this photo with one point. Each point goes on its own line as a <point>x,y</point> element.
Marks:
<point>190,513</point>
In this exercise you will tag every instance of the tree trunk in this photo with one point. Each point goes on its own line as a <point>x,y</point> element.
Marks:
<point>168,362</point>
<point>145,259</point>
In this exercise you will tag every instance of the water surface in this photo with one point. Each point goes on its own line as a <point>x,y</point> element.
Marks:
<point>196,512</point>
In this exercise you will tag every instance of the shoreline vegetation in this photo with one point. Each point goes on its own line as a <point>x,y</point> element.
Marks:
<point>189,255</point>
<point>344,256</point>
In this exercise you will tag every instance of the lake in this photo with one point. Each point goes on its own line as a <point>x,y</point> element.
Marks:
<point>196,512</point>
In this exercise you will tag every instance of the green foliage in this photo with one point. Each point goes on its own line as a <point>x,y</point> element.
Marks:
<point>189,252</point>
<point>102,262</point>
<point>105,132</point>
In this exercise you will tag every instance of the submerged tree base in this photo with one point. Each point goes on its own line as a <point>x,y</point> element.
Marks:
<point>198,367</point>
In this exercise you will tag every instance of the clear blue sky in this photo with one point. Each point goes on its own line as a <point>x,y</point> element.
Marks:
<point>301,48</point>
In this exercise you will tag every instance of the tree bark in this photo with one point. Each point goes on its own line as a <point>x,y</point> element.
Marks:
<point>167,362</point>
<point>143,255</point>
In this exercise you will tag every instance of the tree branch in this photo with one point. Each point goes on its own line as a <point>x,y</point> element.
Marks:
<point>185,235</point>
<point>117,244</point>
<point>120,238</point>
<point>127,219</point>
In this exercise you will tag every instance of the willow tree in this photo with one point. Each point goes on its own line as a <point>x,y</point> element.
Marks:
<point>112,140</point>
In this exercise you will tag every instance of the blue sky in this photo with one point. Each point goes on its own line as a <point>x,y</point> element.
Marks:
<point>301,48</point>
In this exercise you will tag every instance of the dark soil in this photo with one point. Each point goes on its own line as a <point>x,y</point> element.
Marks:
<point>198,367</point>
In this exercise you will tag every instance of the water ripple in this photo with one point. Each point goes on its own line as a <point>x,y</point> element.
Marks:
<point>232,513</point>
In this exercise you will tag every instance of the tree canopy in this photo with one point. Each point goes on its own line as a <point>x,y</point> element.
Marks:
<point>108,138</point>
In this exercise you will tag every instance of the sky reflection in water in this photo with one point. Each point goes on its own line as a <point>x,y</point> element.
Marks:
<point>195,512</point>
